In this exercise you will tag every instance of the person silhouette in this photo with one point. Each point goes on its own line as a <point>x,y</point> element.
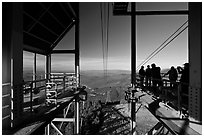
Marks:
<point>148,76</point>
<point>184,82</point>
<point>141,75</point>
<point>173,75</point>
<point>156,77</point>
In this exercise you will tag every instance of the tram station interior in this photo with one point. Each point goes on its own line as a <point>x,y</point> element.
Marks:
<point>56,104</point>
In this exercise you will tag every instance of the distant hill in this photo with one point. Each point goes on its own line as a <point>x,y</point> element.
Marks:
<point>164,70</point>
<point>97,79</point>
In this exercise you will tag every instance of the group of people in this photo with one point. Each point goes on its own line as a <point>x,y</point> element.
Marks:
<point>153,77</point>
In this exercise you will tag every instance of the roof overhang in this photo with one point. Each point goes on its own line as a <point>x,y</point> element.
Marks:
<point>46,23</point>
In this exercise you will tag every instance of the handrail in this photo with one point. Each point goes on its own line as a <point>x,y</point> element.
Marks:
<point>46,119</point>
<point>178,83</point>
<point>6,84</point>
<point>62,76</point>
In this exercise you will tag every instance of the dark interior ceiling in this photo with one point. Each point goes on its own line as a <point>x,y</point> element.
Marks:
<point>46,23</point>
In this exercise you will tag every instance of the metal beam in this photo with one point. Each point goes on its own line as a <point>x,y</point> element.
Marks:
<point>63,119</point>
<point>133,61</point>
<point>133,45</point>
<point>72,10</point>
<point>40,17</point>
<point>48,67</point>
<point>33,35</point>
<point>36,21</point>
<point>68,15</point>
<point>195,60</point>
<point>52,15</point>
<point>76,114</point>
<point>33,49</point>
<point>176,12</point>
<point>63,51</point>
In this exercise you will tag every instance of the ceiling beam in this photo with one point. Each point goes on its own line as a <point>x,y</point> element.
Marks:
<point>33,35</point>
<point>33,49</point>
<point>63,51</point>
<point>53,16</point>
<point>72,10</point>
<point>176,12</point>
<point>37,21</point>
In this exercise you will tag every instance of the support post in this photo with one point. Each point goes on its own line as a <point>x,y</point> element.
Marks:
<point>133,45</point>
<point>133,61</point>
<point>15,35</point>
<point>77,70</point>
<point>48,67</point>
<point>195,60</point>
<point>34,70</point>
<point>34,84</point>
<point>76,119</point>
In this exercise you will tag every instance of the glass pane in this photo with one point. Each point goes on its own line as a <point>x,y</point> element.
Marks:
<point>28,61</point>
<point>40,66</point>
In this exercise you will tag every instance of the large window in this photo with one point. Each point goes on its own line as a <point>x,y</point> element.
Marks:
<point>28,66</point>
<point>28,62</point>
<point>40,66</point>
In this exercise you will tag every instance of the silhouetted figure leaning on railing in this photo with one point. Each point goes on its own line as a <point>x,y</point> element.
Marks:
<point>173,75</point>
<point>184,82</point>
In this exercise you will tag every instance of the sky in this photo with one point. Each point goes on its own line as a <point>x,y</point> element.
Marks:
<point>151,31</point>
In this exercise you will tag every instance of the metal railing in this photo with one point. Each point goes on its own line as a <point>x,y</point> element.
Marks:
<point>169,91</point>
<point>64,107</point>
<point>32,93</point>
<point>36,90</point>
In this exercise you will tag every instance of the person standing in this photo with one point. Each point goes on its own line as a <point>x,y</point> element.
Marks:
<point>141,75</point>
<point>156,75</point>
<point>173,75</point>
<point>156,78</point>
<point>148,76</point>
<point>184,82</point>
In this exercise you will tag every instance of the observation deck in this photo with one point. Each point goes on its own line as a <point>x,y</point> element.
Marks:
<point>58,103</point>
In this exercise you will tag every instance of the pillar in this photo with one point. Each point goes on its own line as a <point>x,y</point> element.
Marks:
<point>12,67</point>
<point>195,60</point>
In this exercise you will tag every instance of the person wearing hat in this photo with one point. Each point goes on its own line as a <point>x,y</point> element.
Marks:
<point>184,82</point>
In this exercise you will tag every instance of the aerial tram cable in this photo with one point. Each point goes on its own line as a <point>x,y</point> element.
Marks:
<point>104,10</point>
<point>160,47</point>
<point>107,41</point>
<point>102,35</point>
<point>144,62</point>
<point>162,43</point>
